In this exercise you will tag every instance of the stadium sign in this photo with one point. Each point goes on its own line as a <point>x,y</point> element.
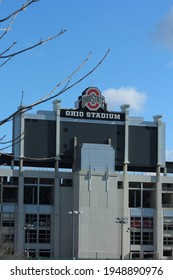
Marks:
<point>91,105</point>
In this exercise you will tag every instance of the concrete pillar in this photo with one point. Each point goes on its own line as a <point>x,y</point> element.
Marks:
<point>125,210</point>
<point>159,212</point>
<point>20,217</point>
<point>56,207</point>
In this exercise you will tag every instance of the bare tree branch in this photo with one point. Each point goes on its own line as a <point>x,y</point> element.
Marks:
<point>9,48</point>
<point>2,138</point>
<point>65,80</point>
<point>2,64</point>
<point>41,42</point>
<point>26,108</point>
<point>8,28</point>
<point>22,8</point>
<point>72,85</point>
<point>5,56</point>
<point>10,141</point>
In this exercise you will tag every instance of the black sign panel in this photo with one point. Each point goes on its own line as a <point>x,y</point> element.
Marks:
<point>80,114</point>
<point>91,105</point>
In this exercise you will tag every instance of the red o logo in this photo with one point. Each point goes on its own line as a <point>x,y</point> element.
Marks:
<point>93,104</point>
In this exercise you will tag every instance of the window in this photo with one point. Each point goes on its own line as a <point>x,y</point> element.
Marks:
<point>8,223</point>
<point>147,238</point>
<point>40,230</point>
<point>168,226</point>
<point>134,198</point>
<point>44,236</point>
<point>46,181</point>
<point>7,238</point>
<point>135,237</point>
<point>45,195</point>
<point>149,185</point>
<point>167,187</point>
<point>30,194</point>
<point>30,236</point>
<point>167,200</point>
<point>120,185</point>
<point>44,220</point>
<point>33,181</point>
<point>141,195</point>
<point>148,255</point>
<point>10,181</point>
<point>8,220</point>
<point>148,223</point>
<point>31,219</point>
<point>168,240</point>
<point>135,255</point>
<point>146,199</point>
<point>167,253</point>
<point>135,223</point>
<point>141,229</point>
<point>40,192</point>
<point>66,182</point>
<point>10,194</point>
<point>31,253</point>
<point>134,185</point>
<point>44,253</point>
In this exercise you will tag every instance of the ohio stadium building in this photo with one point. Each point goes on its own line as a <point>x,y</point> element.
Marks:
<point>87,183</point>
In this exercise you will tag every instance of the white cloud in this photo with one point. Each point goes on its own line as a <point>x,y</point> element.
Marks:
<point>164,31</point>
<point>125,95</point>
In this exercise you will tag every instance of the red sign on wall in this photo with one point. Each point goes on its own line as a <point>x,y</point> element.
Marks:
<point>92,99</point>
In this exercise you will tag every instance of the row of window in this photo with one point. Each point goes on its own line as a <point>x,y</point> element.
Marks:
<point>37,236</point>
<point>147,199</point>
<point>33,194</point>
<point>142,238</point>
<point>141,223</point>
<point>168,232</point>
<point>42,253</point>
<point>14,181</point>
<point>41,220</point>
<point>141,231</point>
<point>49,181</point>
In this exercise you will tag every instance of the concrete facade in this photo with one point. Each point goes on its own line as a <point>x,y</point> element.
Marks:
<point>91,209</point>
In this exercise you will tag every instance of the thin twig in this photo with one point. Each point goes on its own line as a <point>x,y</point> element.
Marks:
<point>22,8</point>
<point>26,108</point>
<point>65,80</point>
<point>33,46</point>
<point>9,48</point>
<point>9,26</point>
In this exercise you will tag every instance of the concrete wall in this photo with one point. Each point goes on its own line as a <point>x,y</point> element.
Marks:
<point>101,203</point>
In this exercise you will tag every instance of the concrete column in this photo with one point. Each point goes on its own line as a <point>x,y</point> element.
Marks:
<point>56,206</point>
<point>21,145</point>
<point>74,154</point>
<point>159,212</point>
<point>125,210</point>
<point>20,208</point>
<point>20,219</point>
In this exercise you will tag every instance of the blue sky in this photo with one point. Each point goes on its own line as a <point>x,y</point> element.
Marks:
<point>137,71</point>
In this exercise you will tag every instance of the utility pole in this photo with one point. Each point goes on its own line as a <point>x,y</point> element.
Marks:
<point>73,214</point>
<point>121,221</point>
